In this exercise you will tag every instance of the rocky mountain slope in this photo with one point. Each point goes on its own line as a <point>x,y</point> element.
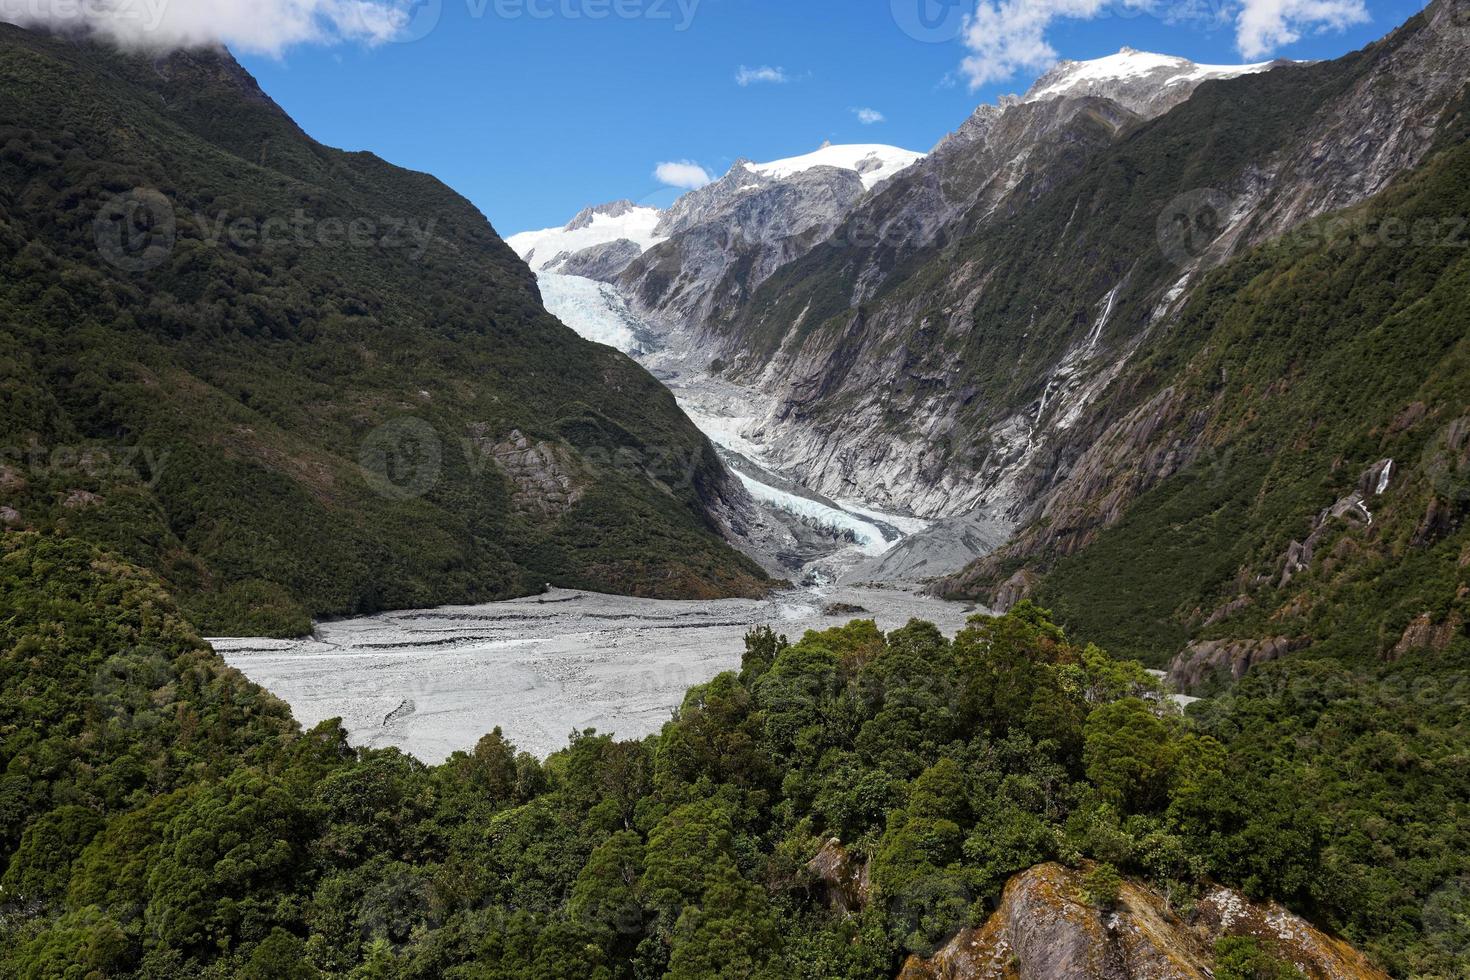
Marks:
<point>1292,457</point>
<point>806,337</point>
<point>1013,332</point>
<point>1036,333</point>
<point>727,237</point>
<point>1290,441</point>
<point>753,205</point>
<point>597,243</point>
<point>302,382</point>
<point>1046,927</point>
<point>1020,266</point>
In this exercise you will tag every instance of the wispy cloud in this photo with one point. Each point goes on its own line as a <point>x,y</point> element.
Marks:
<point>765,73</point>
<point>868,116</point>
<point>1264,26</point>
<point>682,173</point>
<point>1008,37</point>
<point>259,26</point>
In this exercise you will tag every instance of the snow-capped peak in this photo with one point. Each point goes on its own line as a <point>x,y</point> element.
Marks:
<point>612,209</point>
<point>1140,80</point>
<point>874,162</point>
<point>592,226</point>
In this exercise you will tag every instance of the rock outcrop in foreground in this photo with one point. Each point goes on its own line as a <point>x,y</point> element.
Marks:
<point>1044,930</point>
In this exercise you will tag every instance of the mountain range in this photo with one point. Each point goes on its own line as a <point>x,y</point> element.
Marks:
<point>1021,328</point>
<point>1173,360</point>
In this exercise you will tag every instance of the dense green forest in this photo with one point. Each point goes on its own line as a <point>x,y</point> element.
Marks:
<point>292,379</point>
<point>189,448</point>
<point>162,817</point>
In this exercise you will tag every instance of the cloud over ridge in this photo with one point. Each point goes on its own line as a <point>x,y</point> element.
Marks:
<point>1008,37</point>
<point>258,26</point>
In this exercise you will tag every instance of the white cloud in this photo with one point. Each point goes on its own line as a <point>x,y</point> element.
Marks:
<point>682,173</point>
<point>868,116</point>
<point>1263,26</point>
<point>1009,37</point>
<point>765,73</point>
<point>259,26</point>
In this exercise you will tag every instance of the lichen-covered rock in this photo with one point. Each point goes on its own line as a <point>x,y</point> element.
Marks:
<point>1203,658</point>
<point>1228,609</point>
<point>1439,520</point>
<point>80,499</point>
<point>546,478</point>
<point>844,878</point>
<point>1014,589</point>
<point>1045,930</point>
<point>1316,955</point>
<point>1425,634</point>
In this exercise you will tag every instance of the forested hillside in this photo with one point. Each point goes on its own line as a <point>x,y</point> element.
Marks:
<point>161,817</point>
<point>1289,465</point>
<point>247,380</point>
<point>299,382</point>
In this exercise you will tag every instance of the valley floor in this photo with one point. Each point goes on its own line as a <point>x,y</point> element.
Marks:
<point>433,681</point>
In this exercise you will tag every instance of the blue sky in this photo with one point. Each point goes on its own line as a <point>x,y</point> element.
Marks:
<point>532,118</point>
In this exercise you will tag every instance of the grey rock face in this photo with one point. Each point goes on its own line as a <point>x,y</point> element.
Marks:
<point>601,262</point>
<point>545,477</point>
<point>941,549</point>
<point>727,238</point>
<point>1204,658</point>
<point>879,394</point>
<point>613,209</point>
<point>1044,929</point>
